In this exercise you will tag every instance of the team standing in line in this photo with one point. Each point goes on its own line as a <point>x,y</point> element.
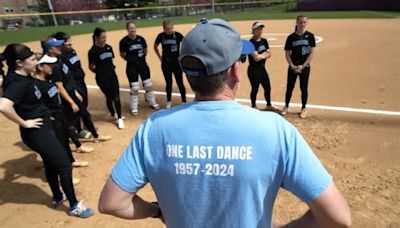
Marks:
<point>47,97</point>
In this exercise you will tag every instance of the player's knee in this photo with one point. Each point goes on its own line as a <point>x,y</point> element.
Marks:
<point>135,88</point>
<point>148,84</point>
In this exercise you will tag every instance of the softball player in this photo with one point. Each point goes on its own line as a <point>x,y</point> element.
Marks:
<point>72,101</point>
<point>22,103</point>
<point>101,57</point>
<point>51,98</point>
<point>71,59</point>
<point>133,48</point>
<point>256,71</point>
<point>170,41</point>
<point>299,50</point>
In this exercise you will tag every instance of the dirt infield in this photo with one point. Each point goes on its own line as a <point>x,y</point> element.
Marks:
<point>356,65</point>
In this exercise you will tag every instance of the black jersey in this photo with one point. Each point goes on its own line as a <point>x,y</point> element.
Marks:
<point>300,46</point>
<point>73,62</point>
<point>50,95</point>
<point>261,47</point>
<point>102,58</point>
<point>134,49</point>
<point>62,73</point>
<point>26,95</point>
<point>170,45</point>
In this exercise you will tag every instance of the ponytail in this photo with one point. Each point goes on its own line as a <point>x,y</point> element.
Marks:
<point>12,53</point>
<point>94,39</point>
<point>96,33</point>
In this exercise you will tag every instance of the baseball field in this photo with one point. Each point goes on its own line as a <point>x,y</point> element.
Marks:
<point>353,124</point>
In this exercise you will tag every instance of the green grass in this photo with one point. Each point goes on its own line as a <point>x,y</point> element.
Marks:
<point>273,12</point>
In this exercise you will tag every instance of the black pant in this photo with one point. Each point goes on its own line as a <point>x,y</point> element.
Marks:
<point>133,70</point>
<point>108,83</point>
<point>258,75</point>
<point>56,162</point>
<point>291,81</point>
<point>82,90</point>
<point>61,131</point>
<point>172,67</point>
<point>70,118</point>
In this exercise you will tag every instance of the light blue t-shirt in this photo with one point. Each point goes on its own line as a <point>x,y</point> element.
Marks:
<point>218,164</point>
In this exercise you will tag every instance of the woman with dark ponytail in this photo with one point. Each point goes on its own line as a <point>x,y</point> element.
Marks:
<point>299,50</point>
<point>22,103</point>
<point>101,57</point>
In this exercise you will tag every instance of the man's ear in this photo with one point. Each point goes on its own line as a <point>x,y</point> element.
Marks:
<point>234,72</point>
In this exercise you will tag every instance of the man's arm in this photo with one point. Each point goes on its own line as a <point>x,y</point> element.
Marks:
<point>117,202</point>
<point>329,210</point>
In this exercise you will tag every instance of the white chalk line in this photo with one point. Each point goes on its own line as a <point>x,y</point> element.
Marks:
<point>309,106</point>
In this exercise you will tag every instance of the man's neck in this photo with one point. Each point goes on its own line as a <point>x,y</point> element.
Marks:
<point>226,94</point>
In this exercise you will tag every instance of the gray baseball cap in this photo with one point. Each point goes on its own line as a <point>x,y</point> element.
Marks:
<point>216,44</point>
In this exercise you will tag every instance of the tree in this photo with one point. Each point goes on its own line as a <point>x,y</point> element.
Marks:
<point>43,7</point>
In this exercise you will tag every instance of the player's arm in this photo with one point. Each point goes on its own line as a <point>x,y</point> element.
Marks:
<point>267,53</point>
<point>145,51</point>
<point>329,210</point>
<point>7,108</point>
<point>289,60</point>
<point>258,57</point>
<point>92,67</point>
<point>117,202</point>
<point>64,94</point>
<point>157,51</point>
<point>309,58</point>
<point>123,55</point>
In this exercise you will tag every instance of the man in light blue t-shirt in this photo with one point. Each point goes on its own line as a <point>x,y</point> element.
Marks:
<point>214,163</point>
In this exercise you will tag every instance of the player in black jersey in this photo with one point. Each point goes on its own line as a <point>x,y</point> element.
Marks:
<point>71,59</point>
<point>133,48</point>
<point>256,71</point>
<point>101,57</point>
<point>22,103</point>
<point>52,99</point>
<point>72,100</point>
<point>170,41</point>
<point>299,50</point>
